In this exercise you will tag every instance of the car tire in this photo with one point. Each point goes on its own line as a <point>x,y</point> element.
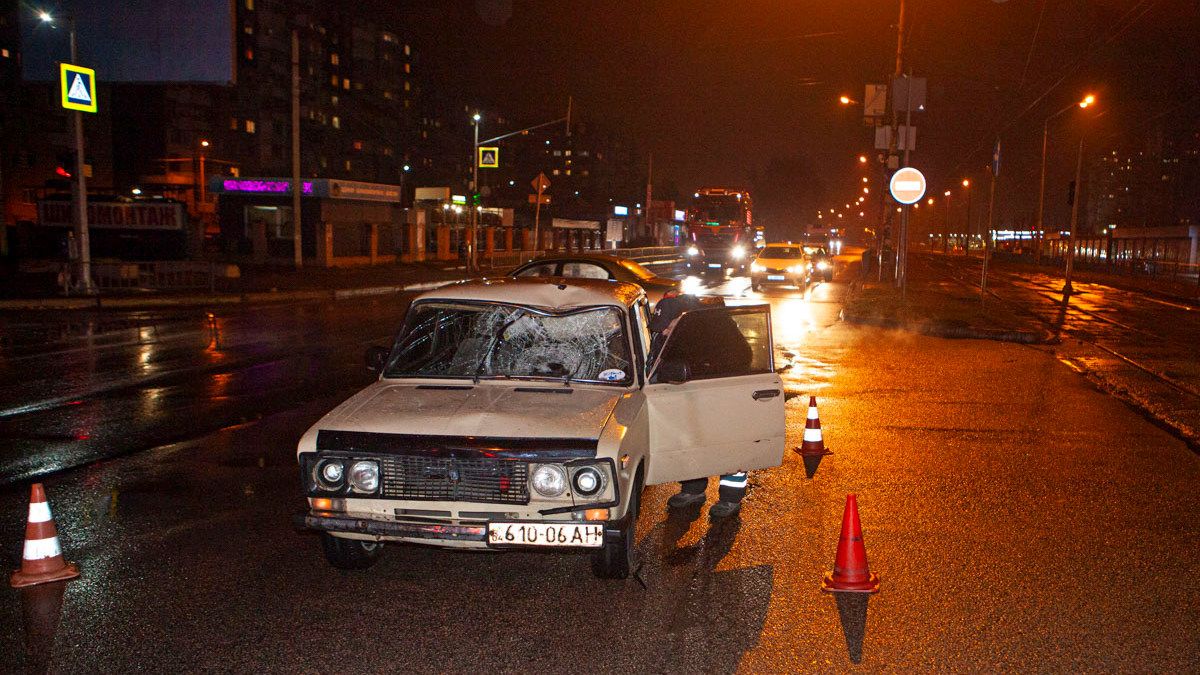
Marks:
<point>614,560</point>
<point>350,554</point>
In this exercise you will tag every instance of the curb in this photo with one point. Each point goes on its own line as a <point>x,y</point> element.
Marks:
<point>947,331</point>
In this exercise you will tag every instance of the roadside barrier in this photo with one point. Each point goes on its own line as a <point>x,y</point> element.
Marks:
<point>851,573</point>
<point>42,560</point>
<point>813,444</point>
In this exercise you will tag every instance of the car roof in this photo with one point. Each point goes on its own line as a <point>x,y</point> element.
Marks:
<point>553,293</point>
<point>606,257</point>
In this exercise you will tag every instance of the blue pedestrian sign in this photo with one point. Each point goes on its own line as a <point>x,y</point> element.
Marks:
<point>996,159</point>
<point>78,87</point>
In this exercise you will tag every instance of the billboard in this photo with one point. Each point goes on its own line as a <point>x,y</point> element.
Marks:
<point>134,40</point>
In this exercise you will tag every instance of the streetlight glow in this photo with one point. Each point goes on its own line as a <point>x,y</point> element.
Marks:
<point>1087,100</point>
<point>475,117</point>
<point>204,144</point>
<point>845,100</point>
<point>864,179</point>
<point>866,191</point>
<point>946,193</point>
<point>966,182</point>
<point>45,16</point>
<point>862,159</point>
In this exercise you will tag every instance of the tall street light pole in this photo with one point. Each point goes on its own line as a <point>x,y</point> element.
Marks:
<point>967,232</point>
<point>946,224</point>
<point>297,187</point>
<point>1067,290</point>
<point>473,219</point>
<point>82,238</point>
<point>1041,227</point>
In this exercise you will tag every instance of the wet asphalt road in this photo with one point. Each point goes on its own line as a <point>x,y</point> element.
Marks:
<point>1020,519</point>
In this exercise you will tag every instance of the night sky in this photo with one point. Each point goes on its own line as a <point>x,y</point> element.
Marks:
<point>745,92</point>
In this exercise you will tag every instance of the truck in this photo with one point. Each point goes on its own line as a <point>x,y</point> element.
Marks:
<point>530,413</point>
<point>722,235</point>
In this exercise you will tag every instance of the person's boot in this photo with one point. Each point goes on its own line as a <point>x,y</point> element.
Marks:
<point>723,509</point>
<point>683,500</point>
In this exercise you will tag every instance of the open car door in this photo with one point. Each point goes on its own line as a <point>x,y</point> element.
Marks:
<point>714,400</point>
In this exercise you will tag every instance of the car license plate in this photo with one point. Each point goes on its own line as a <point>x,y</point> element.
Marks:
<point>775,277</point>
<point>546,534</point>
<point>714,265</point>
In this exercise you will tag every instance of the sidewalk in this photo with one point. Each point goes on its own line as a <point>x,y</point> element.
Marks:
<point>940,301</point>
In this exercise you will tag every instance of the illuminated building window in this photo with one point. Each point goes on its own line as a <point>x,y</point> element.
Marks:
<point>249,54</point>
<point>407,50</point>
<point>4,53</point>
<point>567,153</point>
<point>388,37</point>
<point>387,94</point>
<point>337,122</point>
<point>347,165</point>
<point>346,84</point>
<point>248,29</point>
<point>568,172</point>
<point>250,126</point>
<point>358,145</point>
<point>408,67</point>
<point>333,58</point>
<point>556,172</point>
<point>407,86</point>
<point>333,79</point>
<point>333,100</point>
<point>233,124</point>
<point>250,5</point>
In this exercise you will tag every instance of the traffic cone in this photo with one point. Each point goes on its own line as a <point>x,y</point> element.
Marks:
<point>850,571</point>
<point>42,561</point>
<point>813,445</point>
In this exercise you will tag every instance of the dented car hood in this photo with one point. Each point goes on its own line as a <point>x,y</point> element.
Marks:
<point>512,410</point>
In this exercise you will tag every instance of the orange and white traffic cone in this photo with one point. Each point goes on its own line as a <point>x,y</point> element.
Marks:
<point>851,574</point>
<point>42,561</point>
<point>813,445</point>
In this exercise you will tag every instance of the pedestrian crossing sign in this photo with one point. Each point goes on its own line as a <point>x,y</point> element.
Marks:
<point>78,87</point>
<point>489,158</point>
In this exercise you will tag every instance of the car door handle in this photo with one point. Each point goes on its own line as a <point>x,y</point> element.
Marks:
<point>765,393</point>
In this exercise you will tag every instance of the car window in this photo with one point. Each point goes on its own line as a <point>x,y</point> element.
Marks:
<point>720,342</point>
<point>782,252</point>
<point>541,270</point>
<point>584,270</point>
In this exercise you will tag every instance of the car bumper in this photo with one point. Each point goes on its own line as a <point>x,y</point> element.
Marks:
<point>764,279</point>
<point>444,535</point>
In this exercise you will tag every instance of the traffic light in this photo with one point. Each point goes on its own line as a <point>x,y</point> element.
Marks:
<point>1071,194</point>
<point>476,199</point>
<point>65,167</point>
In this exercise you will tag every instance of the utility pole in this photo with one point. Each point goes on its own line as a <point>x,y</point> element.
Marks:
<point>82,236</point>
<point>474,208</point>
<point>1041,229</point>
<point>297,251</point>
<point>946,224</point>
<point>902,250</point>
<point>987,234</point>
<point>649,196</point>
<point>967,234</point>
<point>1067,290</point>
<point>899,70</point>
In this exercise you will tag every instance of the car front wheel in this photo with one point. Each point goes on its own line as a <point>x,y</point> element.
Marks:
<point>350,554</point>
<point>615,559</point>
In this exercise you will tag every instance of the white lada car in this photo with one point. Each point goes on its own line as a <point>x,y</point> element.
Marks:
<point>530,413</point>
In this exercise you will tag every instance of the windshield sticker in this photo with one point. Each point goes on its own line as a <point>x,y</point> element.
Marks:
<point>612,375</point>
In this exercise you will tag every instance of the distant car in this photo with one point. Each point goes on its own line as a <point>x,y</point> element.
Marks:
<point>822,262</point>
<point>781,264</point>
<point>600,266</point>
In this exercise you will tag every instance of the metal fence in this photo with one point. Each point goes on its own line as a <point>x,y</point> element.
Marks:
<point>156,275</point>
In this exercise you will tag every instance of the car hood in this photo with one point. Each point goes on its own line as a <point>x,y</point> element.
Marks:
<point>527,410</point>
<point>779,262</point>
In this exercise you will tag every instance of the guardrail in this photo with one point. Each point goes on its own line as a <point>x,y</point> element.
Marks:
<point>644,255</point>
<point>1183,276</point>
<point>155,275</point>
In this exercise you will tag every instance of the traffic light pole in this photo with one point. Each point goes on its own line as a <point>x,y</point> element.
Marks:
<point>82,238</point>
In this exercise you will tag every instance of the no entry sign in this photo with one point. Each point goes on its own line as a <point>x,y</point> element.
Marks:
<point>907,185</point>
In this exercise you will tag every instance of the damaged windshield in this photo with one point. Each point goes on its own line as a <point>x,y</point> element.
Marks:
<point>492,340</point>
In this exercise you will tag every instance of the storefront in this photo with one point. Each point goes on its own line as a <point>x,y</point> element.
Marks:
<point>342,223</point>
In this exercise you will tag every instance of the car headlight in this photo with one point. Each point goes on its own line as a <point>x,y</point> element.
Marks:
<point>587,481</point>
<point>755,267</point>
<point>692,250</point>
<point>737,252</point>
<point>549,480</point>
<point>822,265</point>
<point>796,269</point>
<point>364,476</point>
<point>328,474</point>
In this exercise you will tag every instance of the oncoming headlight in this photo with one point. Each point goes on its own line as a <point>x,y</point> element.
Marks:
<point>755,267</point>
<point>737,252</point>
<point>796,269</point>
<point>364,476</point>
<point>549,480</point>
<point>822,265</point>
<point>692,250</point>
<point>587,481</point>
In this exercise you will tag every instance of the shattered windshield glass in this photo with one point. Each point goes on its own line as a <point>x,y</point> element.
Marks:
<point>494,340</point>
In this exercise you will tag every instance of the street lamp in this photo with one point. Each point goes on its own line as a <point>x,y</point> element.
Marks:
<point>474,188</point>
<point>1087,101</point>
<point>862,159</point>
<point>203,188</point>
<point>846,100</point>
<point>81,222</point>
<point>967,244</point>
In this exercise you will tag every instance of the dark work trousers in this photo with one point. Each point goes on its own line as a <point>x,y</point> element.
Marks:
<point>731,489</point>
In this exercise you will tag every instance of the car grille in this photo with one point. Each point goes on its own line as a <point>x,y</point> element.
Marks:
<point>492,481</point>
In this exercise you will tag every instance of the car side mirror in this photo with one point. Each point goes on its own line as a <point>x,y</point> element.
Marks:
<point>673,372</point>
<point>376,358</point>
